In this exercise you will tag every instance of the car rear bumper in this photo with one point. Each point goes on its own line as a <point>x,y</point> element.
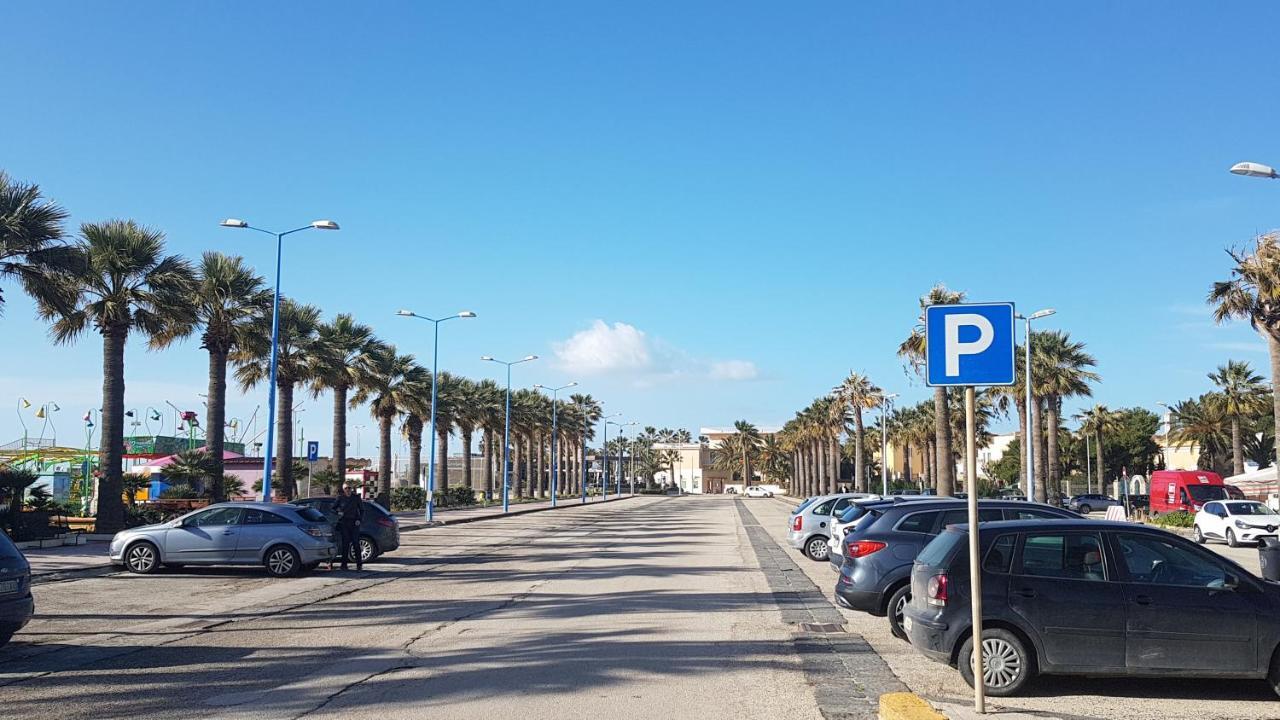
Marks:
<point>930,637</point>
<point>16,612</point>
<point>860,600</point>
<point>796,539</point>
<point>318,553</point>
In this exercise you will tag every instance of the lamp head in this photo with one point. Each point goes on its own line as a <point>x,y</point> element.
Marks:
<point>234,223</point>
<point>466,314</point>
<point>324,225</point>
<point>405,313</point>
<point>572,384</point>
<point>1252,169</point>
<point>55,407</point>
<point>25,403</point>
<point>487,357</point>
<point>530,357</point>
<point>1043,313</point>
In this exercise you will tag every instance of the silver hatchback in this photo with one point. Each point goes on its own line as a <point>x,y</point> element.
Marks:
<point>285,539</point>
<point>811,524</point>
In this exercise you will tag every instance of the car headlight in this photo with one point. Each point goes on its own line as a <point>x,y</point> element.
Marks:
<point>1242,525</point>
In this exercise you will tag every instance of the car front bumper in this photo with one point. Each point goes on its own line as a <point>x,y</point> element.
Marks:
<point>1254,534</point>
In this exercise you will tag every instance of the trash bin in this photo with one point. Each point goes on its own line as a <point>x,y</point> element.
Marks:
<point>1269,558</point>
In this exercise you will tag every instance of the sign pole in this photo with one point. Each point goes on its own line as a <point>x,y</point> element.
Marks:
<point>975,562</point>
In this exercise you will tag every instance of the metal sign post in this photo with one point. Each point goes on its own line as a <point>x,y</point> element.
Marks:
<point>967,346</point>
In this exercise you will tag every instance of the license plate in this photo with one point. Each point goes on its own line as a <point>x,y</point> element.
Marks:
<point>9,586</point>
<point>906,623</point>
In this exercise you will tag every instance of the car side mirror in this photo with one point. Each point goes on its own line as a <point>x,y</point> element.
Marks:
<point>1230,582</point>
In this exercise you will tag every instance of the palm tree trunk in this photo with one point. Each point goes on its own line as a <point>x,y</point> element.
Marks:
<point>1273,346</point>
<point>906,462</point>
<point>540,483</point>
<point>466,457</point>
<point>1237,447</point>
<point>415,456</point>
<point>110,516</point>
<point>215,433</point>
<point>384,460</point>
<point>284,438</point>
<point>942,430</point>
<point>340,433</point>
<point>859,470</point>
<point>1022,444</point>
<point>835,463</point>
<point>1037,438</point>
<point>516,464</point>
<point>931,461</point>
<point>442,453</point>
<point>1054,465</point>
<point>1097,468</point>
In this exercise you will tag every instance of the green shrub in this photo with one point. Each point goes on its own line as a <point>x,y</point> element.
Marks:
<point>139,515</point>
<point>459,496</point>
<point>410,497</point>
<point>179,491</point>
<point>1180,519</point>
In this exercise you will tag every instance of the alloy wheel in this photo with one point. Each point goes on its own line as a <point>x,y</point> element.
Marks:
<point>818,548</point>
<point>366,550</point>
<point>142,558</point>
<point>280,561</point>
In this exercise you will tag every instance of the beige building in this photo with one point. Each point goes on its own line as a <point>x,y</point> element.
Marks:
<point>693,471</point>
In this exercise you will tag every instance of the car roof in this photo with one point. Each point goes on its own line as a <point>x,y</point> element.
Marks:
<point>1062,524</point>
<point>252,504</point>
<point>948,503</point>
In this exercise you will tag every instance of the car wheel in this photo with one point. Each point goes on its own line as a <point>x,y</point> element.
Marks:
<point>897,603</point>
<point>1085,509</point>
<point>282,561</point>
<point>4,638</point>
<point>142,558</point>
<point>1197,535</point>
<point>1273,677</point>
<point>1006,666</point>
<point>1231,538</point>
<point>368,549</point>
<point>816,548</point>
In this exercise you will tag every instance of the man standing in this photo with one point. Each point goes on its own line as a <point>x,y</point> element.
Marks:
<point>350,510</point>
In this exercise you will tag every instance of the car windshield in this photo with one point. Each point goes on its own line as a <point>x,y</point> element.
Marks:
<point>310,514</point>
<point>1249,508</point>
<point>1205,493</point>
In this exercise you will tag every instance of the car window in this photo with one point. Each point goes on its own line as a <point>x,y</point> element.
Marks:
<point>958,517</point>
<point>921,522</point>
<point>215,516</point>
<point>1072,556</point>
<point>824,508</point>
<point>1201,493</point>
<point>1213,508</point>
<point>841,504</point>
<point>262,517</point>
<point>311,515</point>
<point>1030,514</point>
<point>1000,554</point>
<point>937,552</point>
<point>1246,508</point>
<point>1160,561</point>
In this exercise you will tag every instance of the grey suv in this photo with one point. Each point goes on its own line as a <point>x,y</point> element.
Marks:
<point>1085,504</point>
<point>875,576</point>
<point>379,529</point>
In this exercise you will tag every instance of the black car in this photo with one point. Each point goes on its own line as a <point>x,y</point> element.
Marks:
<point>16,603</point>
<point>379,530</point>
<point>1092,597</point>
<point>875,572</point>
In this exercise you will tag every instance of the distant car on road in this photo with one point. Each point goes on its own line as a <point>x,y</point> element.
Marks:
<point>285,539</point>
<point>379,530</point>
<point>1235,522</point>
<point>1090,597</point>
<point>755,491</point>
<point>16,603</point>
<point>810,527</point>
<point>1085,504</point>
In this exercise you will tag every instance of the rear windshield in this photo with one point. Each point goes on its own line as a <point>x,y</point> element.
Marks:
<point>938,552</point>
<point>804,504</point>
<point>311,514</point>
<point>1205,493</point>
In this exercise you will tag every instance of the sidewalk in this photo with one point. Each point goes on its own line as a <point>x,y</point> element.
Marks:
<point>48,563</point>
<point>416,520</point>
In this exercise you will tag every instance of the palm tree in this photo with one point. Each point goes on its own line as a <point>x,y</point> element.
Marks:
<point>1202,421</point>
<point>391,382</point>
<point>1253,294</point>
<point>468,415</point>
<point>122,282</point>
<point>1097,421</point>
<point>231,304</point>
<point>1243,395</point>
<point>446,410</point>
<point>914,349</point>
<point>774,463</point>
<point>336,366</point>
<point>295,349</point>
<point>748,445</point>
<point>1060,373</point>
<point>859,393</point>
<point>489,408</point>
<point>194,468</point>
<point>31,244</point>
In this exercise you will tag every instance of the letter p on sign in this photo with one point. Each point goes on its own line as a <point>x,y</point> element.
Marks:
<point>970,344</point>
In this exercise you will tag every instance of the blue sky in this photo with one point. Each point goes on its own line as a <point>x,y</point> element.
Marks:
<point>700,211</point>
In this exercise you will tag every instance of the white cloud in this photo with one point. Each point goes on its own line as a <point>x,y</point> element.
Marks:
<point>734,370</point>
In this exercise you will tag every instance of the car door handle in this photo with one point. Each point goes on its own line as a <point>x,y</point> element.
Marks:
<point>1143,599</point>
<point>1027,593</point>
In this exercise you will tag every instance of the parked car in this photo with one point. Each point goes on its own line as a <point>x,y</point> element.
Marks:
<point>1091,597</point>
<point>1233,492</point>
<point>1085,504</point>
<point>379,530</point>
<point>1188,490</point>
<point>16,603</point>
<point>285,539</point>
<point>1235,522</point>
<point>731,490</point>
<point>756,491</point>
<point>810,527</point>
<point>875,575</point>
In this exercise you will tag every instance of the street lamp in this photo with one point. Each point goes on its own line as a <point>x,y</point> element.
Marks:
<point>1031,466</point>
<point>275,336</point>
<point>435,360</point>
<point>555,457</point>
<point>622,448</point>
<point>1252,169</point>
<point>884,443</point>
<point>506,430</point>
<point>604,447</point>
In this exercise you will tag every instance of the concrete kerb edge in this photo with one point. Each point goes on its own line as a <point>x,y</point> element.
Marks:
<point>907,706</point>
<point>513,513</point>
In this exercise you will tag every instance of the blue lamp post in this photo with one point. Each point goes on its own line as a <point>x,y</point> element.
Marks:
<point>506,429</point>
<point>622,448</point>
<point>555,457</point>
<point>275,336</point>
<point>604,447</point>
<point>435,362</point>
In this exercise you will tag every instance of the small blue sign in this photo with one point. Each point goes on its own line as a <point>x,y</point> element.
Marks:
<point>969,344</point>
<point>313,451</point>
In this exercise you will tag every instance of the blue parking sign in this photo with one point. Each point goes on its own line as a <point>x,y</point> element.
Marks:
<point>970,344</point>
<point>313,450</point>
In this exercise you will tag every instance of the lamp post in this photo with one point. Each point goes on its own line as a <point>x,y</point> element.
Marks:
<point>884,442</point>
<point>604,447</point>
<point>506,428</point>
<point>23,404</point>
<point>435,361</point>
<point>622,449</point>
<point>1026,434</point>
<point>555,456</point>
<point>275,336</point>
<point>1253,169</point>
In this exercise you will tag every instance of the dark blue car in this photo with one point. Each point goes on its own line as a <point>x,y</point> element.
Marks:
<point>16,604</point>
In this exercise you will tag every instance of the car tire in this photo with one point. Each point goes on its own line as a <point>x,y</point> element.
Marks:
<point>897,601</point>
<point>815,548</point>
<point>1197,535</point>
<point>4,638</point>
<point>1085,509</point>
<point>368,549</point>
<point>142,558</point>
<point>281,561</point>
<point>1231,539</point>
<point>1273,677</point>
<point>1008,662</point>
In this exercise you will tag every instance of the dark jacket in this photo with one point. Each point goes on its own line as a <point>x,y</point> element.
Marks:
<point>350,509</point>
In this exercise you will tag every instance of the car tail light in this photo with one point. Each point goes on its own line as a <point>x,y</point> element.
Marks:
<point>798,523</point>
<point>385,521</point>
<point>320,531</point>
<point>862,548</point>
<point>937,590</point>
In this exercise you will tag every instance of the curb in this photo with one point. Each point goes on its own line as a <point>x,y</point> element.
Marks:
<point>907,706</point>
<point>423,525</point>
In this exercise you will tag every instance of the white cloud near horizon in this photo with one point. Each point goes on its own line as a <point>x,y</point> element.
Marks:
<point>623,349</point>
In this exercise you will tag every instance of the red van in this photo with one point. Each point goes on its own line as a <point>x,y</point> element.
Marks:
<point>1173,490</point>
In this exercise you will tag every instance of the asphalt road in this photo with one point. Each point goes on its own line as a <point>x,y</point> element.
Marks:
<point>1050,697</point>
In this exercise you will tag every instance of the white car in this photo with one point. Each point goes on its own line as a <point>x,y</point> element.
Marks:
<point>757,491</point>
<point>839,528</point>
<point>1235,522</point>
